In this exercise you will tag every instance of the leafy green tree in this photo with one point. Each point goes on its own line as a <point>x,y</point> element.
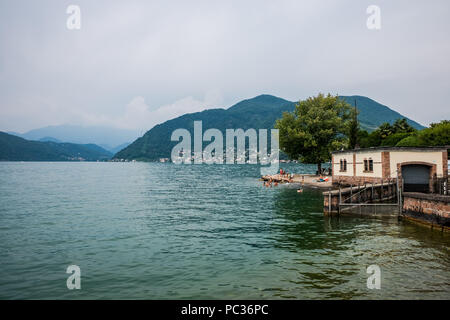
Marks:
<point>395,138</point>
<point>410,141</point>
<point>367,140</point>
<point>388,135</point>
<point>438,134</point>
<point>353,129</point>
<point>402,126</point>
<point>317,126</point>
<point>385,130</point>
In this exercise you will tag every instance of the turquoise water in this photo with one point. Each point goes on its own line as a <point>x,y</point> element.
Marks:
<point>163,231</point>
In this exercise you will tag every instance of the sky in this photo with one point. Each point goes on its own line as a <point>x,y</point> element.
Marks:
<point>134,64</point>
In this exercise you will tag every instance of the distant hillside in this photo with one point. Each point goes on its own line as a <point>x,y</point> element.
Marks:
<point>118,148</point>
<point>258,113</point>
<point>51,139</point>
<point>109,138</point>
<point>13,148</point>
<point>372,113</point>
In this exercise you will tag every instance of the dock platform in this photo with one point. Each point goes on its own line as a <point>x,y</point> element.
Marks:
<point>307,180</point>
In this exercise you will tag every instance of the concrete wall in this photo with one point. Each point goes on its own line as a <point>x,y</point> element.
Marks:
<point>376,157</point>
<point>431,209</point>
<point>337,164</point>
<point>386,164</point>
<point>434,157</point>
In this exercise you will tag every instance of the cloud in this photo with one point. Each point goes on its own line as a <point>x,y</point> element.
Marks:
<point>138,115</point>
<point>166,51</point>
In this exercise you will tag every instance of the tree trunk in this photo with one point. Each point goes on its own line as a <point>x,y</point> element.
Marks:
<point>319,168</point>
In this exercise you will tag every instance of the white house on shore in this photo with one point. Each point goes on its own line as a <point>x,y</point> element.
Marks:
<point>417,166</point>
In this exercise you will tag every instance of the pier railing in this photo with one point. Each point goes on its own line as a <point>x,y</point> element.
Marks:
<point>371,198</point>
<point>440,186</point>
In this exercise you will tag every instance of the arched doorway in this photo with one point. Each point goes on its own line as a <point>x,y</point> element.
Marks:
<point>416,177</point>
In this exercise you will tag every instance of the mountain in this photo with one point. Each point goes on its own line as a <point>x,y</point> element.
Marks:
<point>119,147</point>
<point>372,113</point>
<point>51,139</point>
<point>13,148</point>
<point>258,113</point>
<point>108,138</point>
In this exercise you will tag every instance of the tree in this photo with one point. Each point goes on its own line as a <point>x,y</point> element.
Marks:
<point>316,127</point>
<point>438,134</point>
<point>388,135</point>
<point>353,129</point>
<point>410,141</point>
<point>395,138</point>
<point>385,130</point>
<point>402,126</point>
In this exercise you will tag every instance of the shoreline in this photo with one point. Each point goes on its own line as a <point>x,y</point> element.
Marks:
<point>306,180</point>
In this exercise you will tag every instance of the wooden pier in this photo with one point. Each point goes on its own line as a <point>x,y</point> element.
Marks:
<point>369,198</point>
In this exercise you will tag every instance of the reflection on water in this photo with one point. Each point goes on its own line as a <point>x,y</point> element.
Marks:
<point>161,231</point>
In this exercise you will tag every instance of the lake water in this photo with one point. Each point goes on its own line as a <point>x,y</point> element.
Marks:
<point>164,231</point>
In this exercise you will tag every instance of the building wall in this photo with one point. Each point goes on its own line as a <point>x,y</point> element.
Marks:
<point>355,164</point>
<point>377,169</point>
<point>386,164</point>
<point>434,157</point>
<point>337,165</point>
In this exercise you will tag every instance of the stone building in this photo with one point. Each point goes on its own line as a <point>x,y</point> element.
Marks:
<point>417,166</point>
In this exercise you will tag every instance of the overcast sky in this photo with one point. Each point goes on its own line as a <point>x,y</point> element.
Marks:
<point>134,64</point>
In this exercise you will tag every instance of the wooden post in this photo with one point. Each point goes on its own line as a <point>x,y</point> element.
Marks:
<point>381,192</point>
<point>365,191</point>
<point>351,193</point>
<point>389,188</point>
<point>329,201</point>
<point>399,203</point>
<point>340,198</point>
<point>372,196</point>
<point>359,193</point>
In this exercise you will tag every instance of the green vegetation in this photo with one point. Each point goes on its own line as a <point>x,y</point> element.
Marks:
<point>260,112</point>
<point>13,148</point>
<point>401,134</point>
<point>353,128</point>
<point>316,127</point>
<point>323,124</point>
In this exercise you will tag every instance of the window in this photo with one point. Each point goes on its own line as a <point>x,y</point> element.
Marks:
<point>343,165</point>
<point>368,165</point>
